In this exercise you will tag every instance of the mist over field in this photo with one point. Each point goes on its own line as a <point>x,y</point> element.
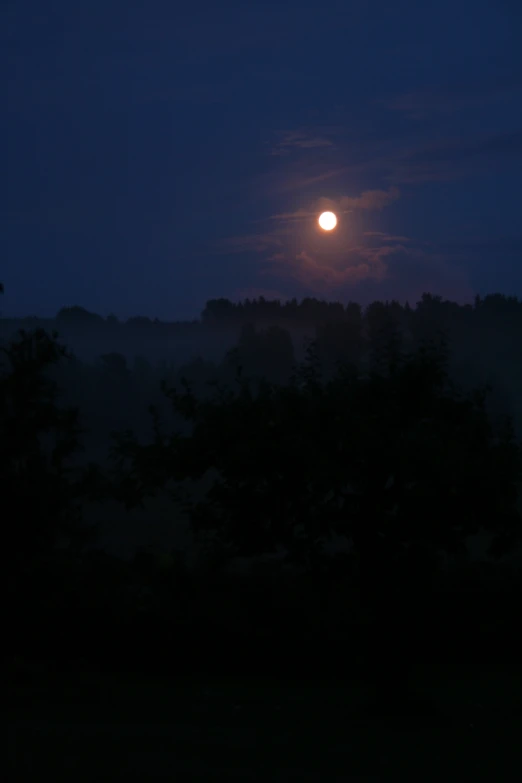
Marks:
<point>116,369</point>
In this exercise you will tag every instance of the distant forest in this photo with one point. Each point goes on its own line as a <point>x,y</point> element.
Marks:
<point>267,338</point>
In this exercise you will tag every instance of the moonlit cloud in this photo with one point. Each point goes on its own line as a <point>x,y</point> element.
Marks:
<point>379,265</point>
<point>299,214</point>
<point>428,156</point>
<point>371,199</point>
<point>299,140</point>
<point>366,273</point>
<point>368,200</point>
<point>381,236</point>
<point>321,274</point>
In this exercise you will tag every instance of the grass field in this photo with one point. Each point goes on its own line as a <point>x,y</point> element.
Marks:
<point>89,727</point>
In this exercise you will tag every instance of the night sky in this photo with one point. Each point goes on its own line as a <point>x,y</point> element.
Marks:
<point>161,153</point>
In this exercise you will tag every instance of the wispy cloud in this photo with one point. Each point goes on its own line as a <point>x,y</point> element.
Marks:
<point>374,200</point>
<point>301,139</point>
<point>254,243</point>
<point>370,199</point>
<point>420,104</point>
<point>450,159</point>
<point>322,274</point>
<point>412,271</point>
<point>469,147</point>
<point>434,160</point>
<point>366,272</point>
<point>379,265</point>
<point>396,162</point>
<point>381,236</point>
<point>300,179</point>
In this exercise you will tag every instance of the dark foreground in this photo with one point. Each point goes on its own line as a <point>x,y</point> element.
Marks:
<point>466,725</point>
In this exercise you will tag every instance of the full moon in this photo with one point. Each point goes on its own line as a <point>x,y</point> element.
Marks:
<point>327,220</point>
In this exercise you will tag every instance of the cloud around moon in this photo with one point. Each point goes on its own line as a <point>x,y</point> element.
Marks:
<point>369,200</point>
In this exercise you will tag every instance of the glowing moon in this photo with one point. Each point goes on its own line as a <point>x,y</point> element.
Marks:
<point>327,221</point>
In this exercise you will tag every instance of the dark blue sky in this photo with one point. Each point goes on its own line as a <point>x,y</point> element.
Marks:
<point>161,153</point>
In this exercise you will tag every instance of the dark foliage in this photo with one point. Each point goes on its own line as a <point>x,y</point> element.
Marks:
<point>397,461</point>
<point>370,439</point>
<point>41,491</point>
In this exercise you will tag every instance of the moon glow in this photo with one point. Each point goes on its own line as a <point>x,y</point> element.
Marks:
<point>327,221</point>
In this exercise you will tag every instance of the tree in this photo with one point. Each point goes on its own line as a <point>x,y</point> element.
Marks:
<point>219,311</point>
<point>40,489</point>
<point>115,365</point>
<point>78,316</point>
<point>42,494</point>
<point>138,321</point>
<point>399,462</point>
<point>339,343</point>
<point>384,333</point>
<point>268,353</point>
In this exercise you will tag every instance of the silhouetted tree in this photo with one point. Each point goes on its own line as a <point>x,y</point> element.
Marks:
<point>339,342</point>
<point>384,329</point>
<point>200,374</point>
<point>41,491</point>
<point>78,316</point>
<point>267,354</point>
<point>399,462</point>
<point>139,321</point>
<point>115,364</point>
<point>219,311</point>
